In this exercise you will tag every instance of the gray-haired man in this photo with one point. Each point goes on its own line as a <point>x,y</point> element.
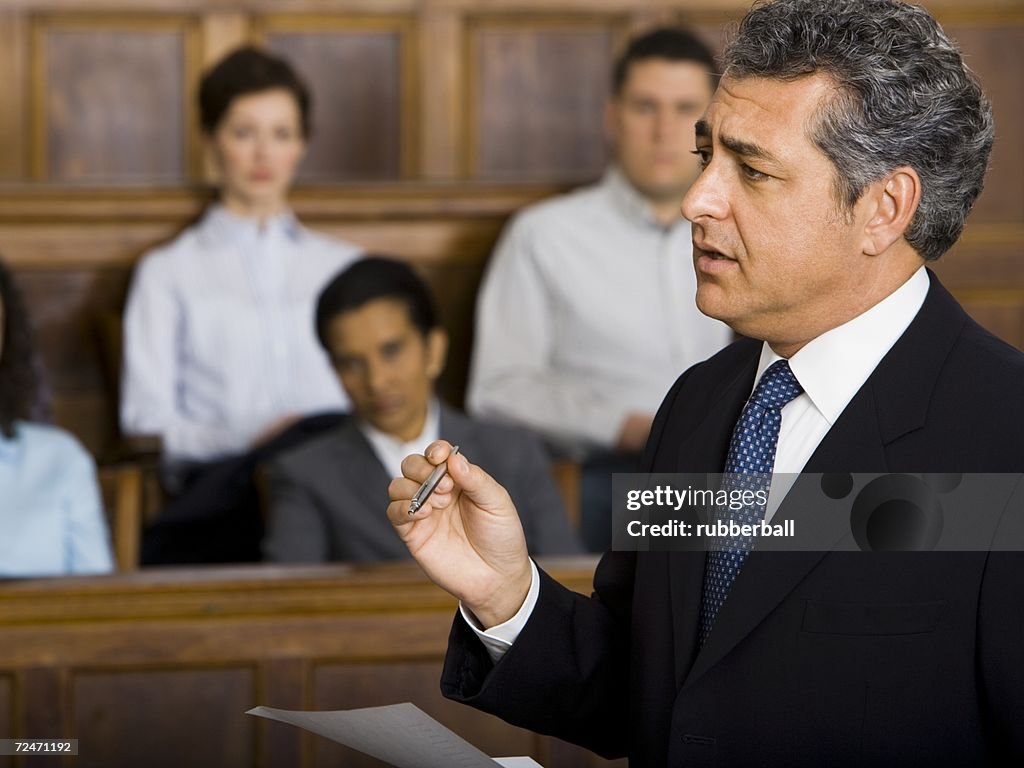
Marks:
<point>842,151</point>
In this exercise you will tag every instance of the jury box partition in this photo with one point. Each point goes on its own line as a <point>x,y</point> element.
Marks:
<point>157,668</point>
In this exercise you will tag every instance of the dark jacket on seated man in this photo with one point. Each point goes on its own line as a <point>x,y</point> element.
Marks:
<point>328,496</point>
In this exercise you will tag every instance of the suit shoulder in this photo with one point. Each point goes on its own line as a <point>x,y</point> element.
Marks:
<point>511,438</point>
<point>1001,363</point>
<point>501,447</point>
<point>987,375</point>
<point>708,375</point>
<point>306,458</point>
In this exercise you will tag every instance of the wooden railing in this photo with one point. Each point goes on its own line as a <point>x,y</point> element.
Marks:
<point>157,668</point>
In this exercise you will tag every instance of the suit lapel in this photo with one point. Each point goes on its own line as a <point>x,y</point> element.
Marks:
<point>359,469</point>
<point>457,430</point>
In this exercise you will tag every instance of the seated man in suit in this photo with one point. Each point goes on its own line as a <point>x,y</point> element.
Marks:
<point>377,323</point>
<point>842,151</point>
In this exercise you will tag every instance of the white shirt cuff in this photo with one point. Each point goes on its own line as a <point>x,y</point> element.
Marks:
<point>498,639</point>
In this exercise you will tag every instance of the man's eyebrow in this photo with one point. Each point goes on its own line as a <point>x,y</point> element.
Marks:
<point>737,146</point>
<point>747,149</point>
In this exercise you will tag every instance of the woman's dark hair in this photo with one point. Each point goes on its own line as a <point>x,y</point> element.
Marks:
<point>244,71</point>
<point>20,379</point>
<point>370,278</point>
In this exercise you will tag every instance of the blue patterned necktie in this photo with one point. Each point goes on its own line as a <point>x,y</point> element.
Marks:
<point>748,467</point>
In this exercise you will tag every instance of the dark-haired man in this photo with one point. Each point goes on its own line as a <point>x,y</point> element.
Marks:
<point>600,284</point>
<point>377,323</point>
<point>842,151</point>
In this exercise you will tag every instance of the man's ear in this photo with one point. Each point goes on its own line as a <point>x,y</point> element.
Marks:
<point>894,200</point>
<point>437,352</point>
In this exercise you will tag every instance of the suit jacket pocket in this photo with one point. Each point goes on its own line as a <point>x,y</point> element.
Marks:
<point>824,617</point>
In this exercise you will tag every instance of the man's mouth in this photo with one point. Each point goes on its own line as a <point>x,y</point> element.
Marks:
<point>711,253</point>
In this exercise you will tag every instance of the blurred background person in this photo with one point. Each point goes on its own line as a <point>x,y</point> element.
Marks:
<point>587,313</point>
<point>51,512</point>
<point>219,350</point>
<point>378,325</point>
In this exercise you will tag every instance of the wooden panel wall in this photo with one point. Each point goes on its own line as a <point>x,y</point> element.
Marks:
<point>360,71</point>
<point>158,669</point>
<point>124,115</point>
<point>430,97</point>
<point>537,100</point>
<point>439,89</point>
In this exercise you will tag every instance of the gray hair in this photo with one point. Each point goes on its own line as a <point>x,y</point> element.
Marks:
<point>904,97</point>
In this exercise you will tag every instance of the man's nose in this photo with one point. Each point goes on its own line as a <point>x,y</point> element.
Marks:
<point>706,197</point>
<point>662,125</point>
<point>376,376</point>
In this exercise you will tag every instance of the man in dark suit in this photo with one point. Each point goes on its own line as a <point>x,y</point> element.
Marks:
<point>842,151</point>
<point>376,321</point>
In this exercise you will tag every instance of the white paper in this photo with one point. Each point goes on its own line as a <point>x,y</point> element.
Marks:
<point>400,734</point>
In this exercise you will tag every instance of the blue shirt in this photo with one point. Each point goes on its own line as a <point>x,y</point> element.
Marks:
<point>219,338</point>
<point>51,514</point>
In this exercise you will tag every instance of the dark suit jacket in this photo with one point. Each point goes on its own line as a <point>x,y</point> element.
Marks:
<point>839,658</point>
<point>328,497</point>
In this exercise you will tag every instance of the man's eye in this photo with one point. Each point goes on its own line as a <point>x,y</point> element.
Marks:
<point>703,157</point>
<point>752,173</point>
<point>392,350</point>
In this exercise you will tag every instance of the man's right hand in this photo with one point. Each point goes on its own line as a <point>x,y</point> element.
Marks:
<point>467,536</point>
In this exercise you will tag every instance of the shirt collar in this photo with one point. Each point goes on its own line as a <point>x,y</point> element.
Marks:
<point>627,199</point>
<point>389,444</point>
<point>222,226</point>
<point>835,365</point>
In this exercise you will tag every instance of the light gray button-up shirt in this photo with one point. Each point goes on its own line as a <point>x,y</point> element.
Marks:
<point>586,315</point>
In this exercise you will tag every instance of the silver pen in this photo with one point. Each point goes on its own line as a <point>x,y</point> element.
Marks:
<point>430,484</point>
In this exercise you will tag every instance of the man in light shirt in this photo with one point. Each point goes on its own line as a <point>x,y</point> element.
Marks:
<point>600,283</point>
<point>377,323</point>
<point>843,150</point>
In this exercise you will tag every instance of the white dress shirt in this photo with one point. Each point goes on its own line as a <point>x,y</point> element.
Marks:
<point>831,369</point>
<point>587,314</point>
<point>219,339</point>
<point>391,450</point>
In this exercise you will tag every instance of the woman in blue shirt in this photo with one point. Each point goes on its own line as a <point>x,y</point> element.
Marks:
<point>51,515</point>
